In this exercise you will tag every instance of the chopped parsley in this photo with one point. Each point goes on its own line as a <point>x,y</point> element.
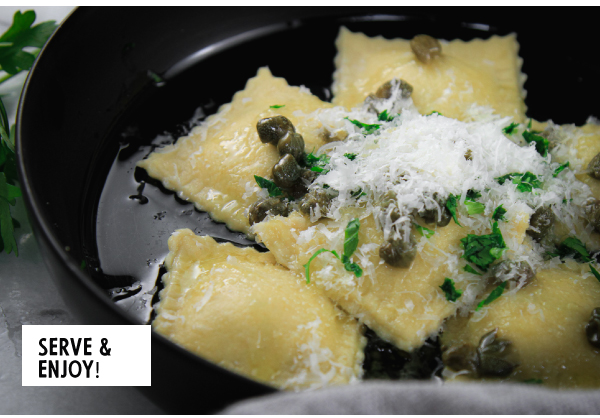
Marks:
<point>595,272</point>
<point>473,194</point>
<point>357,193</point>
<point>508,130</point>
<point>350,245</point>
<point>350,155</point>
<point>565,201</point>
<point>496,293</point>
<point>368,128</point>
<point>533,381</point>
<point>263,183</point>
<point>560,168</point>
<point>452,294</point>
<point>435,112</point>
<point>385,116</point>
<point>525,182</point>
<point>425,232</point>
<point>499,213</point>
<point>483,250</point>
<point>277,106</point>
<point>473,208</point>
<point>451,206</point>
<point>573,247</point>
<point>316,163</point>
<point>471,270</point>
<point>541,143</point>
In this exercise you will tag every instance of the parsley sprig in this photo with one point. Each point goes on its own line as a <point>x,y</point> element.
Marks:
<point>350,245</point>
<point>13,60</point>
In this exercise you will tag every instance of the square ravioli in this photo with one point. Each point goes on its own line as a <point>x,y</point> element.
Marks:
<point>466,74</point>
<point>237,308</point>
<point>214,166</point>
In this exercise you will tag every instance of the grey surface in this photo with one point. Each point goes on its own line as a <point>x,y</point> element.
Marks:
<point>28,296</point>
<point>426,398</point>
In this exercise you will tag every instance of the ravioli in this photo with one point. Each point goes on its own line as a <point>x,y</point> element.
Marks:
<point>545,322</point>
<point>237,308</point>
<point>404,306</point>
<point>479,72</point>
<point>215,165</point>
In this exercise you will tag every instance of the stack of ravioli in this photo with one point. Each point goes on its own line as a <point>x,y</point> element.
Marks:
<point>255,313</point>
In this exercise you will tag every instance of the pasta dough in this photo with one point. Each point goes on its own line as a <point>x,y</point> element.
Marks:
<point>215,165</point>
<point>237,308</point>
<point>483,73</point>
<point>545,322</point>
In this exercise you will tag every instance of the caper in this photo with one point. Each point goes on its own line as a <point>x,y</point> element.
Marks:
<point>552,134</point>
<point>432,215</point>
<point>540,223</point>
<point>274,205</point>
<point>490,352</point>
<point>592,212</point>
<point>493,366</point>
<point>271,130</point>
<point>317,197</point>
<point>594,167</point>
<point>462,357</point>
<point>329,136</point>
<point>292,143</point>
<point>398,252</point>
<point>385,90</point>
<point>286,172</point>
<point>517,272</point>
<point>425,48</point>
<point>592,329</point>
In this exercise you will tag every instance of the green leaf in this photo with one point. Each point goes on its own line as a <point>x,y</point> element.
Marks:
<point>350,156</point>
<point>529,123</point>
<point>307,265</point>
<point>473,208</point>
<point>451,205</point>
<point>425,232</point>
<point>496,293</point>
<point>20,35</point>
<point>595,272</point>
<point>473,194</point>
<point>574,247</point>
<point>351,237</point>
<point>508,130</point>
<point>525,182</point>
<point>7,230</point>
<point>541,143</point>
<point>263,183</point>
<point>435,112</point>
<point>471,270</point>
<point>499,213</point>
<point>368,128</point>
<point>533,381</point>
<point>483,250</point>
<point>316,164</point>
<point>452,294</point>
<point>277,106</point>
<point>385,117</point>
<point>560,168</point>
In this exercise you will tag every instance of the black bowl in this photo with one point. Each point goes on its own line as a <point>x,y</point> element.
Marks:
<point>106,70</point>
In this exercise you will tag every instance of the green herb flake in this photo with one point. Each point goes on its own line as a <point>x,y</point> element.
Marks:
<point>451,206</point>
<point>350,156</point>
<point>565,201</point>
<point>350,245</point>
<point>385,116</point>
<point>533,381</point>
<point>525,182</point>
<point>473,194</point>
<point>560,168</point>
<point>452,294</point>
<point>425,232</point>
<point>435,112</point>
<point>496,293</point>
<point>595,272</point>
<point>473,208</point>
<point>499,213</point>
<point>471,270</point>
<point>508,130</point>
<point>277,106</point>
<point>483,250</point>
<point>541,143</point>
<point>316,163</point>
<point>529,123</point>
<point>573,247</point>
<point>357,193</point>
<point>263,183</point>
<point>368,128</point>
